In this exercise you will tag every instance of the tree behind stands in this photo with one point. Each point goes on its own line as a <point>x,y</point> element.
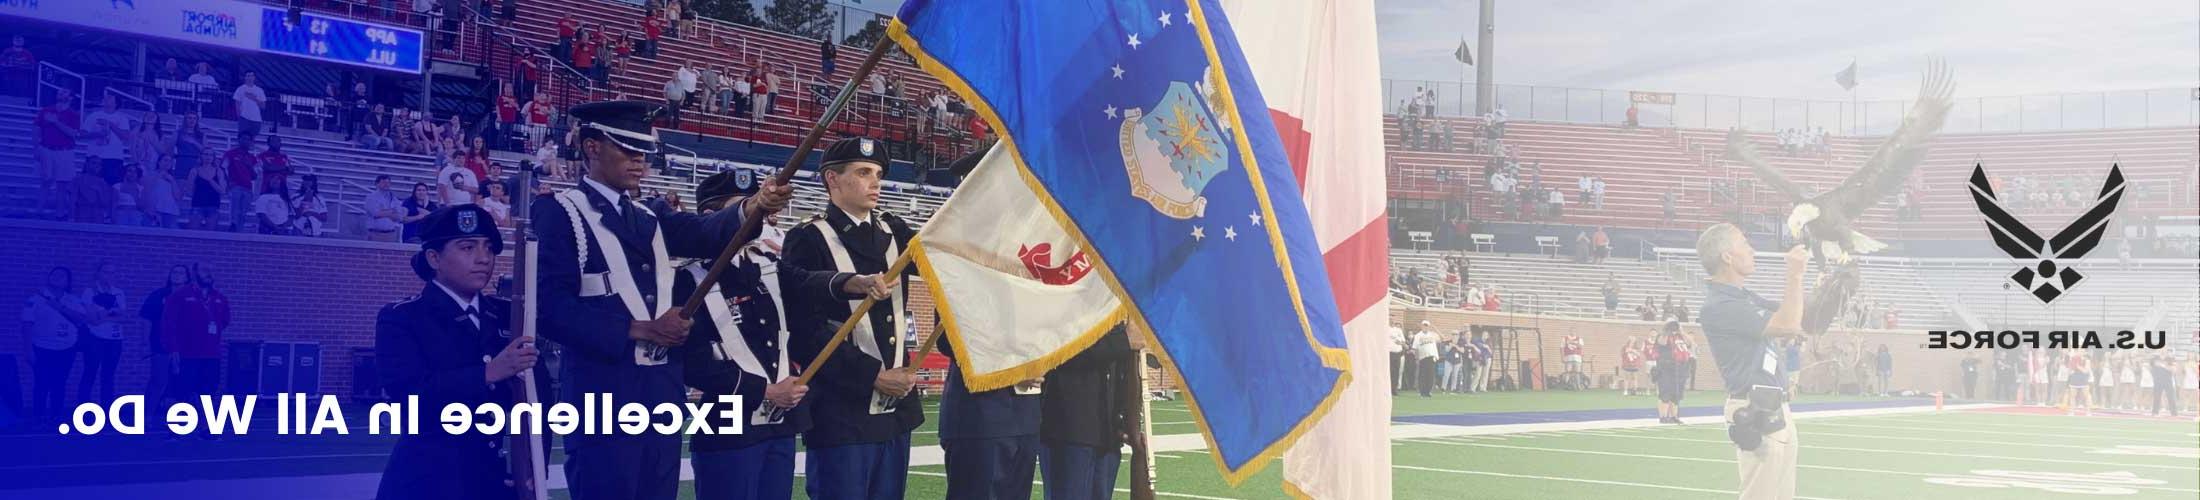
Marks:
<point>804,18</point>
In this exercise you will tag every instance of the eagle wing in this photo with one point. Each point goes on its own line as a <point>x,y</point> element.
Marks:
<point>1738,148</point>
<point>1890,166</point>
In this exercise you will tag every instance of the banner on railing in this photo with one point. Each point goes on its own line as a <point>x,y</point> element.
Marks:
<point>1640,97</point>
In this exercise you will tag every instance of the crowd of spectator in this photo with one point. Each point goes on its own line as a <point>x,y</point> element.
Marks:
<point>1428,361</point>
<point>184,321</point>
<point>1797,141</point>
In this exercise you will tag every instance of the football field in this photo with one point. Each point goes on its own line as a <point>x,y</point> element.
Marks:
<point>1500,445</point>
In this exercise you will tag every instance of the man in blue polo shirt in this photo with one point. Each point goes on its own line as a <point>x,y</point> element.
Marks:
<point>1743,328</point>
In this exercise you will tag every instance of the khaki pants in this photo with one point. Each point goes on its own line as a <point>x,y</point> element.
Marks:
<point>1768,472</point>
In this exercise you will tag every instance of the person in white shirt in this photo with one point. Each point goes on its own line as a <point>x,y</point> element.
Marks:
<point>273,208</point>
<point>1397,358</point>
<point>50,318</point>
<point>250,99</point>
<point>384,211</point>
<point>1424,359</point>
<point>1474,297</point>
<point>455,182</point>
<point>111,129</point>
<point>102,306</point>
<point>498,204</point>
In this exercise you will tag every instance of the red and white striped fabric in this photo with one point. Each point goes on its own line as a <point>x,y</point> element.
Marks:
<point>1317,66</point>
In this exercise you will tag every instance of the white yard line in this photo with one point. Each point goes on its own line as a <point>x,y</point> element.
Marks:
<point>2066,428</point>
<point>1730,461</point>
<point>1575,480</point>
<point>1808,446</point>
<point>2073,432</point>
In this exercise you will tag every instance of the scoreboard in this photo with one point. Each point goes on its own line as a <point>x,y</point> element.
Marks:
<point>241,25</point>
<point>341,41</point>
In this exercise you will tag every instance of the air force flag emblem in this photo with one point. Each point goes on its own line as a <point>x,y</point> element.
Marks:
<point>2045,279</point>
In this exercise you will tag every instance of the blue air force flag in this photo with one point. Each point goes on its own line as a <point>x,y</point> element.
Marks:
<point>1139,127</point>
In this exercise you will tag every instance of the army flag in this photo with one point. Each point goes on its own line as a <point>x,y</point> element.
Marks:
<point>1139,127</point>
<point>1016,294</point>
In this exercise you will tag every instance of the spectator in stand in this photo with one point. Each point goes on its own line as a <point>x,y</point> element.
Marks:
<point>244,181</point>
<point>128,210</point>
<point>567,30</point>
<point>334,103</point>
<point>385,211</point>
<point>735,91</point>
<point>1582,251</point>
<point>195,317</point>
<point>1556,205</point>
<point>526,72</point>
<point>58,128</point>
<point>653,29</point>
<point>1634,117</point>
<point>170,70</point>
<point>675,93</point>
<point>827,51</point>
<point>93,200</point>
<point>455,182</point>
<point>1602,243</point>
<point>361,108</point>
<point>686,24</point>
<point>498,204</point>
<point>161,360</point>
<point>188,145</point>
<point>309,211</point>
<point>52,317</point>
<point>206,183</point>
<point>162,201</point>
<point>706,89</point>
<point>604,51</point>
<point>1648,311</point>
<point>18,64</point>
<point>1611,294</point>
<point>583,55</point>
<point>102,320</point>
<point>452,130</point>
<point>416,208</point>
<point>275,166</point>
<point>507,117</point>
<point>622,52</point>
<point>374,133</point>
<point>689,83</point>
<point>1596,191</point>
<point>1490,301</point>
<point>1674,310</point>
<point>147,145</point>
<point>250,100</point>
<point>202,77</point>
<point>110,129</point>
<point>274,212</point>
<point>538,123</point>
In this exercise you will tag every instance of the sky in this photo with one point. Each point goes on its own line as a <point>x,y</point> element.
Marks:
<point>1791,49</point>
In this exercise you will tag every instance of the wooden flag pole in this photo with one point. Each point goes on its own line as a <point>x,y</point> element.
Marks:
<point>841,335</point>
<point>752,226</point>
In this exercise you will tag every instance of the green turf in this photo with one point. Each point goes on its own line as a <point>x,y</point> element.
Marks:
<point>1889,456</point>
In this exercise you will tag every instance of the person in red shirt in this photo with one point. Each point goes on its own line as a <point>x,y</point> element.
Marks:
<point>58,127</point>
<point>193,319</point>
<point>244,177</point>
<point>622,47</point>
<point>20,65</point>
<point>275,167</point>
<point>1490,302</point>
<point>1630,362</point>
<point>1570,351</point>
<point>583,54</point>
<point>525,72</point>
<point>507,115</point>
<point>567,30</point>
<point>653,28</point>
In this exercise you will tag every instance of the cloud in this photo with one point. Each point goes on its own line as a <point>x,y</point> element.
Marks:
<point>1792,49</point>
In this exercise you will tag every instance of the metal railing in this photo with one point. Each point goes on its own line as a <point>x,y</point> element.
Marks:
<point>2137,108</point>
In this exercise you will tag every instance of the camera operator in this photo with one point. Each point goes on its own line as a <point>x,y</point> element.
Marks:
<point>1742,328</point>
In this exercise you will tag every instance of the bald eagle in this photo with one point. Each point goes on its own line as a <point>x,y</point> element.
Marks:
<point>1823,222</point>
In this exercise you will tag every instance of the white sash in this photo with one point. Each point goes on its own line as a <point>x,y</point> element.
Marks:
<point>731,347</point>
<point>621,279</point>
<point>862,333</point>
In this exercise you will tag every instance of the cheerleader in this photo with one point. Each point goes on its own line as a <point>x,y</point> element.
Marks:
<point>2079,399</point>
<point>2129,381</point>
<point>2036,368</point>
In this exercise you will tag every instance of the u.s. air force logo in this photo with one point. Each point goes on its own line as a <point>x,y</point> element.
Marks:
<point>2045,278</point>
<point>1172,152</point>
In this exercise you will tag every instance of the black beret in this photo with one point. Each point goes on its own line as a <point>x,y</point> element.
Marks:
<point>630,124</point>
<point>733,181</point>
<point>460,221</point>
<point>854,149</point>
